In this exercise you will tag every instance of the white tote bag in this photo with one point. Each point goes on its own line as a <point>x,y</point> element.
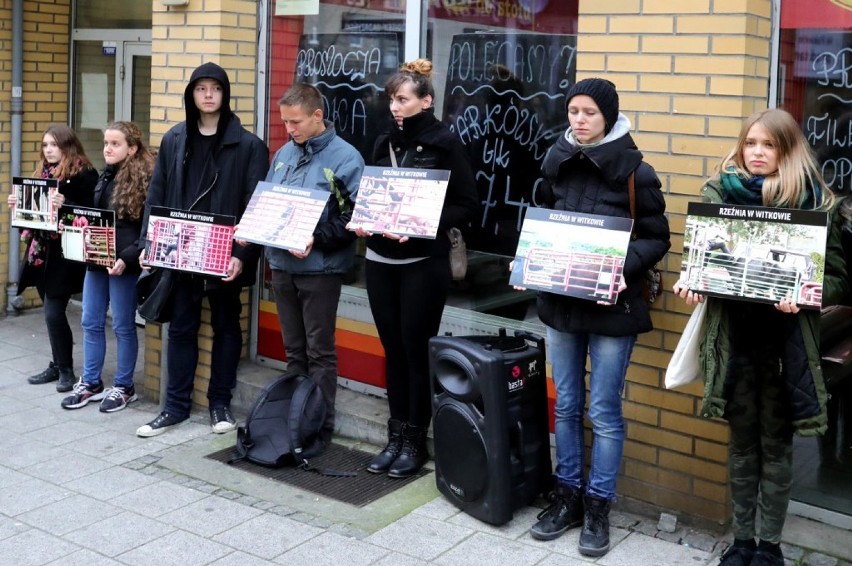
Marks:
<point>683,367</point>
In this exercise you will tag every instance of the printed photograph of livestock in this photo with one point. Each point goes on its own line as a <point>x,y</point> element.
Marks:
<point>755,253</point>
<point>569,253</point>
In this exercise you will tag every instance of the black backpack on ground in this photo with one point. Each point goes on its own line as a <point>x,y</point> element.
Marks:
<point>284,424</point>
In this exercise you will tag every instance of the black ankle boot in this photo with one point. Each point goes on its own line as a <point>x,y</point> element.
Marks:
<point>48,375</point>
<point>566,512</point>
<point>383,460</point>
<point>594,538</point>
<point>67,379</point>
<point>413,454</point>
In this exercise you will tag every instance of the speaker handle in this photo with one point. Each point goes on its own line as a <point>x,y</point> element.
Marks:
<point>532,337</point>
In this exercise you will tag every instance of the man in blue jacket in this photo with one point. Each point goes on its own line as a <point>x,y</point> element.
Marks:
<point>209,163</point>
<point>307,285</point>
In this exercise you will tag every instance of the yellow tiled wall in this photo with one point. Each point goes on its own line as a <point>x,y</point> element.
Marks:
<point>687,74</point>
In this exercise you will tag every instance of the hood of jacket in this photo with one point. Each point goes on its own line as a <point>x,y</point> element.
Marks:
<point>615,156</point>
<point>217,73</point>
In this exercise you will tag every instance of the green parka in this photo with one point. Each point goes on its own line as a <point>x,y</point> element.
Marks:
<point>808,414</point>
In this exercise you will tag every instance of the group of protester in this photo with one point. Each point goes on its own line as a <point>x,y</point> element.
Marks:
<point>761,361</point>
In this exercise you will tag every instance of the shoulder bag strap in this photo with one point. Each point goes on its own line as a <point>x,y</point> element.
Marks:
<point>631,193</point>
<point>392,155</point>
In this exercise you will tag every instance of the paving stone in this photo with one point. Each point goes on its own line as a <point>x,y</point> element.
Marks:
<point>434,537</point>
<point>792,552</point>
<point>119,533</point>
<point>348,531</point>
<point>35,547</point>
<point>241,559</point>
<point>70,468</point>
<point>667,523</point>
<point>177,548</point>
<point>674,537</point>
<point>86,557</point>
<point>483,549</point>
<point>397,559</point>
<point>699,540</point>
<point>817,559</point>
<point>159,498</point>
<point>622,520</point>
<point>312,520</point>
<point>29,495</point>
<point>10,527</point>
<point>113,482</point>
<point>330,549</point>
<point>642,549</point>
<point>523,519</point>
<point>209,516</point>
<point>645,527</point>
<point>66,515</point>
<point>267,536</point>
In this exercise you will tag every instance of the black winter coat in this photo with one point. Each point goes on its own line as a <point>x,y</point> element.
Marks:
<point>426,143</point>
<point>239,161</point>
<point>57,276</point>
<point>126,229</point>
<point>593,180</point>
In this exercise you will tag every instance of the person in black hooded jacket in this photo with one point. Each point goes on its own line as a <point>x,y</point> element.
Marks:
<point>588,170</point>
<point>408,278</point>
<point>209,163</point>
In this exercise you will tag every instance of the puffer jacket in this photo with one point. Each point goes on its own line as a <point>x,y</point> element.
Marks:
<point>804,381</point>
<point>328,163</point>
<point>426,143</point>
<point>594,180</point>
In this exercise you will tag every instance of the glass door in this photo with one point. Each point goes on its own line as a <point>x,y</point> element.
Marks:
<point>112,81</point>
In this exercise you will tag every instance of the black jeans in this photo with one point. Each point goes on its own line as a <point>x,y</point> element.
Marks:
<point>407,302</point>
<point>58,330</point>
<point>225,308</point>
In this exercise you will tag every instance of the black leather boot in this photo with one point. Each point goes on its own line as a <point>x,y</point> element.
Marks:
<point>383,460</point>
<point>48,375</point>
<point>413,454</point>
<point>566,512</point>
<point>594,538</point>
<point>67,379</point>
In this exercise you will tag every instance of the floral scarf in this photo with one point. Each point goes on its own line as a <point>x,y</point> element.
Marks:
<point>36,240</point>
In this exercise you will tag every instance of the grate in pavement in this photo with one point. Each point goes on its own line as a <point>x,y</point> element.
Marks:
<point>358,490</point>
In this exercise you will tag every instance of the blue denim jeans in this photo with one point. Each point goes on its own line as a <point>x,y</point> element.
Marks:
<point>100,290</point>
<point>609,357</point>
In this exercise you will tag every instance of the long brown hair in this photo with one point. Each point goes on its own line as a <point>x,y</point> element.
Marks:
<point>74,158</point>
<point>134,174</point>
<point>798,171</point>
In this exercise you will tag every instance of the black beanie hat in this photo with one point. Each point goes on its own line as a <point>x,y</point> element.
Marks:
<point>603,93</point>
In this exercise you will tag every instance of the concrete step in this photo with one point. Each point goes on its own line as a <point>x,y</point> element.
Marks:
<point>360,416</point>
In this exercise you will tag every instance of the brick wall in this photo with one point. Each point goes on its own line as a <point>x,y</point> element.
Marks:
<point>184,37</point>
<point>687,73</point>
<point>45,99</point>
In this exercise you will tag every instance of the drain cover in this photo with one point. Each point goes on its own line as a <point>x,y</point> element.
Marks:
<point>358,490</point>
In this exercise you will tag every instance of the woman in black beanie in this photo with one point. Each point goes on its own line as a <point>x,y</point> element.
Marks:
<point>589,170</point>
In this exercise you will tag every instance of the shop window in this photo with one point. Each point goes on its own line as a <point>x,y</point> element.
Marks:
<point>815,81</point>
<point>103,14</point>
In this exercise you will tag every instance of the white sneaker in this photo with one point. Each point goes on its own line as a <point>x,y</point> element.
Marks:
<point>221,420</point>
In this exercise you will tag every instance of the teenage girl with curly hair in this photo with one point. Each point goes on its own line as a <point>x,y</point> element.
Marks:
<point>122,187</point>
<point>54,277</point>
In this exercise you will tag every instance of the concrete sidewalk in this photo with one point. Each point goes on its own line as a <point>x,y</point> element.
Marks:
<point>78,487</point>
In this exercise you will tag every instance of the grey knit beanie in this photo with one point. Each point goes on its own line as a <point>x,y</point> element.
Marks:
<point>603,93</point>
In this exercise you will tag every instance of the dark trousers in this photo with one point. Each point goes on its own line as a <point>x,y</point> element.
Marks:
<point>407,302</point>
<point>58,330</point>
<point>307,312</point>
<point>225,308</point>
<point>760,448</point>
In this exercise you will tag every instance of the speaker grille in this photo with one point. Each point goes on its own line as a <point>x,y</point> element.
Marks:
<point>460,452</point>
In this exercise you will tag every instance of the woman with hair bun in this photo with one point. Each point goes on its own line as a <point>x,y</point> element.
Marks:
<point>408,278</point>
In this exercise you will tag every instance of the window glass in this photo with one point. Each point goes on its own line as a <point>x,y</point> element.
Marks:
<point>815,81</point>
<point>503,70</point>
<point>107,14</point>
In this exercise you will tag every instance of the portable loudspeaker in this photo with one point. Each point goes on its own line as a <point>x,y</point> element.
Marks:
<point>490,422</point>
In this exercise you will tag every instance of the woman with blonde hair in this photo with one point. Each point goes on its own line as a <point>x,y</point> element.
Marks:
<point>761,362</point>
<point>122,187</point>
<point>54,277</point>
